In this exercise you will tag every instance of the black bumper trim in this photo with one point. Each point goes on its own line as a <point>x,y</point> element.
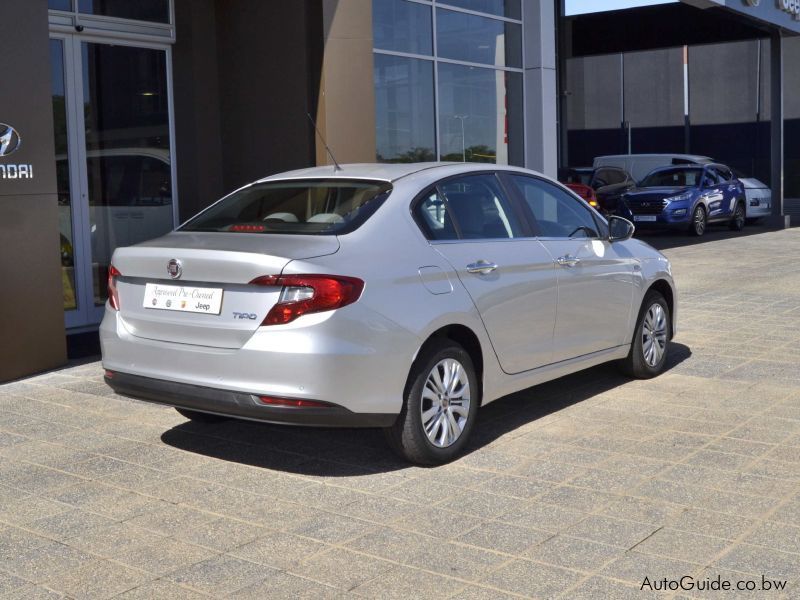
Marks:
<point>238,404</point>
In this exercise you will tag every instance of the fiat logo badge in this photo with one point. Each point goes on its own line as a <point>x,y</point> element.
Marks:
<point>175,268</point>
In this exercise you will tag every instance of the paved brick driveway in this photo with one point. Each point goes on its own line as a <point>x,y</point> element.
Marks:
<point>580,488</point>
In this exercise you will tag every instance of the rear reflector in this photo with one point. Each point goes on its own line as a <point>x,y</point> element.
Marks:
<point>109,374</point>
<point>113,294</point>
<point>269,400</point>
<point>304,294</point>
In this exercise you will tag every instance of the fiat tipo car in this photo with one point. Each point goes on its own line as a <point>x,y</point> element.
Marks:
<point>403,297</point>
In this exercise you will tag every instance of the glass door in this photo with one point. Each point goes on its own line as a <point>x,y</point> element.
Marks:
<point>112,119</point>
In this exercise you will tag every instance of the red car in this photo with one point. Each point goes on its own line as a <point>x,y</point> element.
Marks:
<point>602,188</point>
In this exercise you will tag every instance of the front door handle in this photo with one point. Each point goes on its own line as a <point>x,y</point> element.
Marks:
<point>568,261</point>
<point>482,267</point>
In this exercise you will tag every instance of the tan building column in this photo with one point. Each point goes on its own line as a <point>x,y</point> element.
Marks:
<point>346,106</point>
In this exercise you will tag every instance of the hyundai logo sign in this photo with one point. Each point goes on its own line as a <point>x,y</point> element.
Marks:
<point>10,141</point>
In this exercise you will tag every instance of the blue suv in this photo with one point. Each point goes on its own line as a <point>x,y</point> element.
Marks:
<point>687,197</point>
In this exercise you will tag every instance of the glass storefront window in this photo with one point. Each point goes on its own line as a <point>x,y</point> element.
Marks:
<point>402,26</point>
<point>62,175</point>
<point>59,4</point>
<point>466,102</point>
<point>471,38</point>
<point>127,150</point>
<point>404,102</point>
<point>480,115</point>
<point>141,10</point>
<point>502,8</point>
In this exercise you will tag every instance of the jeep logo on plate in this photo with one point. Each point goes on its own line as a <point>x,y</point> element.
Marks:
<point>175,268</point>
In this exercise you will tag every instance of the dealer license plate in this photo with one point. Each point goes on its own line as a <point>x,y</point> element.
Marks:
<point>650,218</point>
<point>183,298</point>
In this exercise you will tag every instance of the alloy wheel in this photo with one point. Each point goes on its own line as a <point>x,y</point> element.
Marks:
<point>699,221</point>
<point>445,403</point>
<point>739,217</point>
<point>654,334</point>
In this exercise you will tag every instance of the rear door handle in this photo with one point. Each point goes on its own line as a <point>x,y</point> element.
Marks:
<point>482,267</point>
<point>568,261</point>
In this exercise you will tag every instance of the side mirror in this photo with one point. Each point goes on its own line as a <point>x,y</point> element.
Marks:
<point>619,229</point>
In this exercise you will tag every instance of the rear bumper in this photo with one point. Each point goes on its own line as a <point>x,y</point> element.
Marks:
<point>238,404</point>
<point>352,358</point>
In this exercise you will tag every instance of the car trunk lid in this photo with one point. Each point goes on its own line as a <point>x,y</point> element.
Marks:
<point>211,302</point>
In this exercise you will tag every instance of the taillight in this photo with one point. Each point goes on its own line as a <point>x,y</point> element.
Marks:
<point>113,293</point>
<point>304,294</point>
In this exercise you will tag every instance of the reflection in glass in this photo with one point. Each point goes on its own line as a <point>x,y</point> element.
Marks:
<point>127,150</point>
<point>402,26</point>
<point>405,130</point>
<point>480,115</point>
<point>62,174</point>
<point>59,4</point>
<point>503,8</point>
<point>142,10</point>
<point>460,36</point>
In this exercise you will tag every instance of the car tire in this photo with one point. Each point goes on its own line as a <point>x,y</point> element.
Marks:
<point>654,324</point>
<point>699,222</point>
<point>739,217</point>
<point>200,417</point>
<point>423,430</point>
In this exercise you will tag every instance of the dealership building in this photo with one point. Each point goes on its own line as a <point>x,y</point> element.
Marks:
<point>121,118</point>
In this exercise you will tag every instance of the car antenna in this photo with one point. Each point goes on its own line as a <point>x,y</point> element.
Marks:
<point>336,166</point>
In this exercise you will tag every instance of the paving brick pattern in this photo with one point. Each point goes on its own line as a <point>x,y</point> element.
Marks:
<point>579,488</point>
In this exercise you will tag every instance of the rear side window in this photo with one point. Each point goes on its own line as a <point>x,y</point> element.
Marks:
<point>471,207</point>
<point>310,207</point>
<point>557,213</point>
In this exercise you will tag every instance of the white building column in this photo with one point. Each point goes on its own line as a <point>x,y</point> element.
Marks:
<point>541,90</point>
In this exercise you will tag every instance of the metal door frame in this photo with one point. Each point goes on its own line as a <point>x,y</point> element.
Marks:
<point>87,316</point>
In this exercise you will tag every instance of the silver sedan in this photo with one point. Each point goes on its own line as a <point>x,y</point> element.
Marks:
<point>395,296</point>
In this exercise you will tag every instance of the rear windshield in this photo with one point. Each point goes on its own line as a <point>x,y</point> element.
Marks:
<point>308,207</point>
<point>677,177</point>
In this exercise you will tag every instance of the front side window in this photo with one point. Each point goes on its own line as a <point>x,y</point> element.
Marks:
<point>710,178</point>
<point>465,208</point>
<point>557,213</point>
<point>724,174</point>
<point>314,207</point>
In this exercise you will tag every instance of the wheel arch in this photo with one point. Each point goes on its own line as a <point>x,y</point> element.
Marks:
<point>663,287</point>
<point>467,339</point>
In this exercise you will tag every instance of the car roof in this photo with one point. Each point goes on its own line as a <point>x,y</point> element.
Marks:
<point>381,171</point>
